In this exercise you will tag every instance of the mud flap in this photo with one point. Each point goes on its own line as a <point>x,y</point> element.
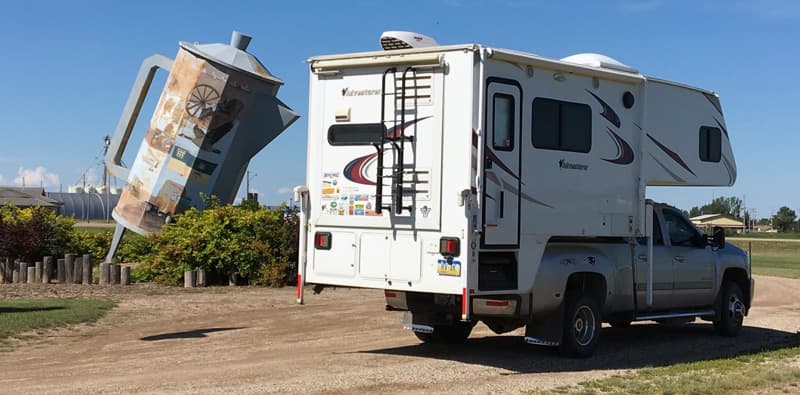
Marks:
<point>546,329</point>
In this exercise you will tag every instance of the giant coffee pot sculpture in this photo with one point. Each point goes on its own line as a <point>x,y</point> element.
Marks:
<point>218,109</point>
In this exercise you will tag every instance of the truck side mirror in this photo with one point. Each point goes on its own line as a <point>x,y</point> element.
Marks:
<point>718,237</point>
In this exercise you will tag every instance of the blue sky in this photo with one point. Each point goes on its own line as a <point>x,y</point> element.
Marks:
<point>67,68</point>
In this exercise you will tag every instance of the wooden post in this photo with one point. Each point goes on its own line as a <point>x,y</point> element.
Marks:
<point>23,272</point>
<point>105,273</point>
<point>48,268</point>
<point>31,274</point>
<point>61,273</point>
<point>201,277</point>
<point>87,269</point>
<point>3,270</point>
<point>69,267</point>
<point>47,274</point>
<point>125,275</point>
<point>37,278</point>
<point>76,270</point>
<point>15,273</point>
<point>189,279</point>
<point>115,274</point>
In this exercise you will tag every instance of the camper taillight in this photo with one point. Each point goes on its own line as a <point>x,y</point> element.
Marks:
<point>322,240</point>
<point>449,246</point>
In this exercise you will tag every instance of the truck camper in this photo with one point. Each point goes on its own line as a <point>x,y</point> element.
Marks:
<point>474,183</point>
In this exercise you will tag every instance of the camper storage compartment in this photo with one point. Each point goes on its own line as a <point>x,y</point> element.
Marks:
<point>497,271</point>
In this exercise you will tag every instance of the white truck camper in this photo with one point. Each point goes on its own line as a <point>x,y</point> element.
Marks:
<point>482,184</point>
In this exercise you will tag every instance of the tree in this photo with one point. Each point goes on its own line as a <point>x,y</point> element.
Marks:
<point>763,221</point>
<point>731,206</point>
<point>784,219</point>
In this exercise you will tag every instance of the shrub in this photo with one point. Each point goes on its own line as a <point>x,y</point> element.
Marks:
<point>256,244</point>
<point>31,233</point>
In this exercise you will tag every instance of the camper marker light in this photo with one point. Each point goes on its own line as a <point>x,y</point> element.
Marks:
<point>322,240</point>
<point>449,246</point>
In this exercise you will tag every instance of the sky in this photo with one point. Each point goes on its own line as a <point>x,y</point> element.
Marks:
<point>67,67</point>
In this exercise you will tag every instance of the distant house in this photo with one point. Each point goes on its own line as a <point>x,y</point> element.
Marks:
<point>27,197</point>
<point>709,221</point>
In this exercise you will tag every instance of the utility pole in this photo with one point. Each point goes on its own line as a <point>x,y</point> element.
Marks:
<point>106,144</point>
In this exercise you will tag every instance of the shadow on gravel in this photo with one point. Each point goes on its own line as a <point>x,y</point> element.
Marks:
<point>195,334</point>
<point>4,310</point>
<point>620,348</point>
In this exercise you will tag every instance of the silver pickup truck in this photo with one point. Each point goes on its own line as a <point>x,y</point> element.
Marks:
<point>583,282</point>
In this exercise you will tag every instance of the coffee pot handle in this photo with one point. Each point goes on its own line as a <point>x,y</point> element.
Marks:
<point>131,112</point>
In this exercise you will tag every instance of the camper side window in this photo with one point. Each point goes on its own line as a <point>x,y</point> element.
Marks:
<point>561,125</point>
<point>710,144</point>
<point>503,122</point>
<point>356,134</point>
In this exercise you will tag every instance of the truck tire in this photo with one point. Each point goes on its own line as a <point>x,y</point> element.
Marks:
<point>582,323</point>
<point>455,333</point>
<point>731,310</point>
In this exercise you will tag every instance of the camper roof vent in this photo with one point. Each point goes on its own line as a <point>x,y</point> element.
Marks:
<point>404,40</point>
<point>598,60</point>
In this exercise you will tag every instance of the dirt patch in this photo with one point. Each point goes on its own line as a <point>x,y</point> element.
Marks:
<point>256,340</point>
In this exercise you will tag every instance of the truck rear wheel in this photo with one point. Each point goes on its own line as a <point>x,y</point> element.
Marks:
<point>731,310</point>
<point>457,332</point>
<point>582,323</point>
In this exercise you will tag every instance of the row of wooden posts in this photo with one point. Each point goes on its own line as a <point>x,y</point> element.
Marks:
<point>72,269</point>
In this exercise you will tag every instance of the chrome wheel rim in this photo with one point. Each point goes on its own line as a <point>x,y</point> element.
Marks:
<point>584,325</point>
<point>735,308</point>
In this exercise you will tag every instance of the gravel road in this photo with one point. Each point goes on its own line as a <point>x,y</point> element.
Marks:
<point>255,340</point>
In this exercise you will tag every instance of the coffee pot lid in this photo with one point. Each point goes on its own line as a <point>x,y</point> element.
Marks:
<point>234,56</point>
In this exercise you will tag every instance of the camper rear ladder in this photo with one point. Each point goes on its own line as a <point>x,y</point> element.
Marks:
<point>396,138</point>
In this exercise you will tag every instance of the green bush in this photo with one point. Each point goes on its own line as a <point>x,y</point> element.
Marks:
<point>31,233</point>
<point>94,243</point>
<point>257,244</point>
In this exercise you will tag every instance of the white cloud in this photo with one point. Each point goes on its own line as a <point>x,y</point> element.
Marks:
<point>284,190</point>
<point>640,6</point>
<point>37,177</point>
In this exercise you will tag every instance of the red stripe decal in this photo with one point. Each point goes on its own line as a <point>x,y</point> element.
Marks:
<point>299,285</point>
<point>390,294</point>
<point>463,302</point>
<point>497,303</point>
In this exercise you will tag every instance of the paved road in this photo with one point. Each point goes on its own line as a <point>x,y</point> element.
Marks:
<point>255,340</point>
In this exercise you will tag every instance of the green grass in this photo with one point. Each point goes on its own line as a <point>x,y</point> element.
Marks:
<point>773,258</point>
<point>766,235</point>
<point>21,315</point>
<point>769,372</point>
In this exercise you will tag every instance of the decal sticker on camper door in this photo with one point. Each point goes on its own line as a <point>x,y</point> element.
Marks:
<point>501,163</point>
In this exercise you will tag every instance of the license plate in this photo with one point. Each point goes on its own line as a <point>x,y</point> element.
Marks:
<point>451,268</point>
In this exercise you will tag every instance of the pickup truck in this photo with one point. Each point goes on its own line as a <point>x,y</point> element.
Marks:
<point>584,282</point>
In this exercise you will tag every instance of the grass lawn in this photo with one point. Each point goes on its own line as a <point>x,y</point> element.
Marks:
<point>767,235</point>
<point>775,371</point>
<point>21,315</point>
<point>773,258</point>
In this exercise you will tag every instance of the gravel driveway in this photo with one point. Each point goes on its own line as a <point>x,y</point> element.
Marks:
<point>256,340</point>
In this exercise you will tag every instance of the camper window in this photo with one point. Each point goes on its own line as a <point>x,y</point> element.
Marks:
<point>356,134</point>
<point>561,125</point>
<point>710,144</point>
<point>503,124</point>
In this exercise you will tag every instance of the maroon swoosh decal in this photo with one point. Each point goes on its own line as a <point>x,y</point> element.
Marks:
<point>492,157</point>
<point>356,169</point>
<point>672,154</point>
<point>624,150</point>
<point>398,130</point>
<point>608,112</point>
<point>722,127</point>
